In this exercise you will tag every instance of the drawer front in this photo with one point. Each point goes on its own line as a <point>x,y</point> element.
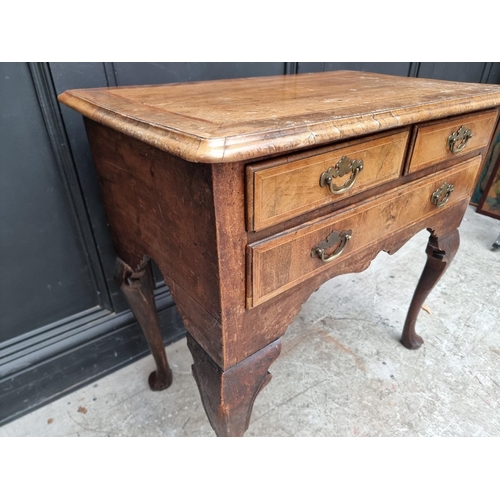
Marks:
<point>433,143</point>
<point>280,192</point>
<point>282,262</point>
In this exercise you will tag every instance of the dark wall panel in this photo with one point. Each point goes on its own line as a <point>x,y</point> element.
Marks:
<point>458,72</point>
<point>87,75</point>
<point>44,273</point>
<point>400,69</point>
<point>153,73</point>
<point>493,75</point>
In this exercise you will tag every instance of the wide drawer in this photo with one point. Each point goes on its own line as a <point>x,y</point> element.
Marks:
<point>448,139</point>
<point>281,262</point>
<point>278,192</point>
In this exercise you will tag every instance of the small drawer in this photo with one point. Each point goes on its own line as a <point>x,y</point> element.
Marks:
<point>279,190</point>
<point>286,260</point>
<point>451,138</point>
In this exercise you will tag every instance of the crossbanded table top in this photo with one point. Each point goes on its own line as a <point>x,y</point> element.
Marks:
<point>241,119</point>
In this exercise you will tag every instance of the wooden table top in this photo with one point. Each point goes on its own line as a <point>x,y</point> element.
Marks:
<point>241,119</point>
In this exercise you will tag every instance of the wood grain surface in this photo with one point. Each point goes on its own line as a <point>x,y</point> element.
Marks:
<point>280,192</point>
<point>431,139</point>
<point>240,119</point>
<point>286,261</point>
<point>218,183</point>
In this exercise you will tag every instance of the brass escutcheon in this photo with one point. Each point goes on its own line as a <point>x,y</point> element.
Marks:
<point>337,239</point>
<point>343,167</point>
<point>441,196</point>
<point>458,140</point>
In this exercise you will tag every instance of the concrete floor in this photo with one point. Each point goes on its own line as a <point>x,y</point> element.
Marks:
<point>342,371</point>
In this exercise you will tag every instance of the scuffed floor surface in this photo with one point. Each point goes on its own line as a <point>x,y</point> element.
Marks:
<point>342,371</point>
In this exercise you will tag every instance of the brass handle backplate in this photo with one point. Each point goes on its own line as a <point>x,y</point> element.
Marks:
<point>458,140</point>
<point>336,239</point>
<point>441,196</point>
<point>343,167</point>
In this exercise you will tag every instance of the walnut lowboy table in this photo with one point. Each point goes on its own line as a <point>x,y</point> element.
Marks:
<point>251,193</point>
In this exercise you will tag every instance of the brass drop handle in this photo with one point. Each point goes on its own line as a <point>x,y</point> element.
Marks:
<point>343,167</point>
<point>335,239</point>
<point>458,140</point>
<point>441,196</point>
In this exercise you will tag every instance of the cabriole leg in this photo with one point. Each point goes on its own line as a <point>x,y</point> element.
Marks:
<point>137,286</point>
<point>440,253</point>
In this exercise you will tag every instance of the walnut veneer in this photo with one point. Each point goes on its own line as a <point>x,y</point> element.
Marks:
<point>251,193</point>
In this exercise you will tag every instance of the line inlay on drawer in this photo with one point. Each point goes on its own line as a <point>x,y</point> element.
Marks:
<point>284,261</point>
<point>280,192</point>
<point>433,145</point>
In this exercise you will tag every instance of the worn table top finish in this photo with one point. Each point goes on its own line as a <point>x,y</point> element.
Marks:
<point>240,119</point>
<point>251,193</point>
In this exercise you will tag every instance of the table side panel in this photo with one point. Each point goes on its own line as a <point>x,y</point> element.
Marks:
<point>160,206</point>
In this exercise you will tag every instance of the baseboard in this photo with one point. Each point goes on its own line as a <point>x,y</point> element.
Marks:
<point>119,343</point>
